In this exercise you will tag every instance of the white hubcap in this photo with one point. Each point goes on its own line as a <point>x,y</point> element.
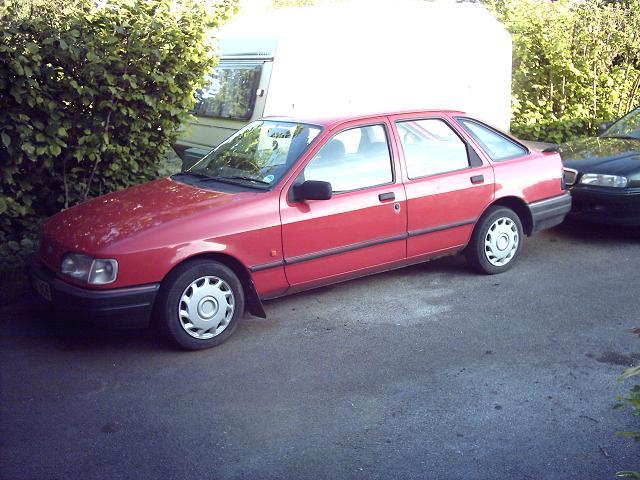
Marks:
<point>501,242</point>
<point>206,307</point>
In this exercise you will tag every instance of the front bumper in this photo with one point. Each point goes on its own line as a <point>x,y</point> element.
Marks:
<point>620,206</point>
<point>120,307</point>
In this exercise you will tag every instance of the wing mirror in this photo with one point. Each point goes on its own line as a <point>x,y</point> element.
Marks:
<point>312,190</point>
<point>603,127</point>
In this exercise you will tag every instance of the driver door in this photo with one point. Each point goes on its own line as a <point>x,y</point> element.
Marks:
<point>362,226</point>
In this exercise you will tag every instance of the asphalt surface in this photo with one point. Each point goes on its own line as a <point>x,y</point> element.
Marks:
<point>429,372</point>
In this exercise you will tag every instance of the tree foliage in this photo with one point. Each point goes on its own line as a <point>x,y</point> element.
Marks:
<point>93,94</point>
<point>575,64</point>
<point>630,400</point>
<point>293,3</point>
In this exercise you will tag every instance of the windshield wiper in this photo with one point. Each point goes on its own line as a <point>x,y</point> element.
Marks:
<point>224,179</point>
<point>624,137</point>
<point>242,177</point>
<point>193,174</point>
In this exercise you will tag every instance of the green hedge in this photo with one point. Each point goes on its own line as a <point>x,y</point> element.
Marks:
<point>94,93</point>
<point>555,131</point>
<point>575,64</point>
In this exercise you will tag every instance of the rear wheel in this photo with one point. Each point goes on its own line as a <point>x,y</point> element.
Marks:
<point>199,304</point>
<point>496,241</point>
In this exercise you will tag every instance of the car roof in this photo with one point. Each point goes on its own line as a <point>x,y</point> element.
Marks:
<point>331,122</point>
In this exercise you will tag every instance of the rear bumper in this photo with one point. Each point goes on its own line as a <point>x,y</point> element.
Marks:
<point>550,212</point>
<point>606,206</point>
<point>121,307</point>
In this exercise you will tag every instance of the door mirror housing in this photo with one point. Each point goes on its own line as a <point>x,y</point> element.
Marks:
<point>603,127</point>
<point>312,190</point>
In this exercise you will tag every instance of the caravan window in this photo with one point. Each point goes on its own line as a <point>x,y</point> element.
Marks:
<point>230,92</point>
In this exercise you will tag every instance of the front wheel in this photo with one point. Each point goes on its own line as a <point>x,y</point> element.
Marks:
<point>496,241</point>
<point>199,304</point>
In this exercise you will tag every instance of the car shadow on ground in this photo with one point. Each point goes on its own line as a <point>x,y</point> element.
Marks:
<point>573,230</point>
<point>450,265</point>
<point>74,335</point>
<point>30,320</point>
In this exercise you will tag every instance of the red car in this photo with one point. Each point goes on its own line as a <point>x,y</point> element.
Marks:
<point>286,205</point>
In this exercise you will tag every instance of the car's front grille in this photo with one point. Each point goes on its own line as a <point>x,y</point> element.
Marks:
<point>569,175</point>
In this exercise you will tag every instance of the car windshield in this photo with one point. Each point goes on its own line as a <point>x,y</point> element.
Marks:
<point>627,127</point>
<point>257,155</point>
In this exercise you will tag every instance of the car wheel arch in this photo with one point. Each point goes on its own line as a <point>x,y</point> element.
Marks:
<point>519,206</point>
<point>253,304</point>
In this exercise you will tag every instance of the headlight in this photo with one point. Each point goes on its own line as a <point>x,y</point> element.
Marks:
<point>103,271</point>
<point>96,271</point>
<point>603,180</point>
<point>76,265</point>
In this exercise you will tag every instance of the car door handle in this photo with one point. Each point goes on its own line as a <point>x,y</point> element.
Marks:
<point>387,196</point>
<point>477,179</point>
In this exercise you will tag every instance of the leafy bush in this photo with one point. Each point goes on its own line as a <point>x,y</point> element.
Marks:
<point>632,401</point>
<point>575,64</point>
<point>94,93</point>
<point>556,131</point>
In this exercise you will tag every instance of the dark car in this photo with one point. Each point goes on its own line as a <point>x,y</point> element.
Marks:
<point>604,173</point>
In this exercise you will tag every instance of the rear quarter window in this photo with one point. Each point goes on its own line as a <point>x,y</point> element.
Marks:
<point>498,146</point>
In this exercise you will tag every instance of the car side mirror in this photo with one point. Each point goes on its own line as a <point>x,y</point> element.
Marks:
<point>603,127</point>
<point>312,190</point>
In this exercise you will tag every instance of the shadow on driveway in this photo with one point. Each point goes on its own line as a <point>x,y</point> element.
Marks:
<point>596,233</point>
<point>31,321</point>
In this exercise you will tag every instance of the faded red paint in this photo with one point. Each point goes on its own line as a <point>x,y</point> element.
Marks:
<point>151,228</point>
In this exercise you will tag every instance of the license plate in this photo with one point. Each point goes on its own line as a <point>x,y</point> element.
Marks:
<point>42,288</point>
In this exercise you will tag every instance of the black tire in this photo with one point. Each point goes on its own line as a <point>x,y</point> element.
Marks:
<point>476,252</point>
<point>176,284</point>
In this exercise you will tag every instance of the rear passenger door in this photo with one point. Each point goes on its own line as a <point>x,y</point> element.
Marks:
<point>448,185</point>
<point>362,226</point>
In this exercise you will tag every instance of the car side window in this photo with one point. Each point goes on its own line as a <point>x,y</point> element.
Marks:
<point>353,159</point>
<point>497,146</point>
<point>430,146</point>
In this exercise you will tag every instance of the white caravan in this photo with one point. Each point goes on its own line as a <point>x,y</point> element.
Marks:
<point>354,57</point>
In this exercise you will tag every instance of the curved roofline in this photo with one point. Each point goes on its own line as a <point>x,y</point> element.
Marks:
<point>331,122</point>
